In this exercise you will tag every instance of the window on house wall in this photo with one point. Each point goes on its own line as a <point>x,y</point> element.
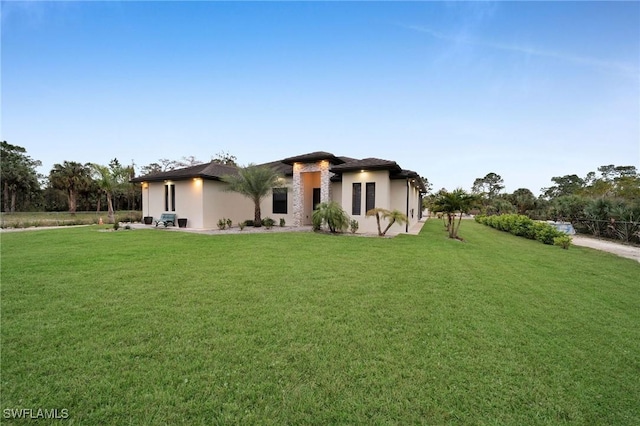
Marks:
<point>169,197</point>
<point>371,196</point>
<point>280,200</point>
<point>356,202</point>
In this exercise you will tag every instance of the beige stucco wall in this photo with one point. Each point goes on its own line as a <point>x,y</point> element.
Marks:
<point>189,201</point>
<point>399,201</point>
<point>336,192</point>
<point>381,179</point>
<point>153,199</point>
<point>219,204</point>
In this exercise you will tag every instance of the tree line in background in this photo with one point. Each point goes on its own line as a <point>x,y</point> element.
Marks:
<point>604,203</point>
<point>72,186</point>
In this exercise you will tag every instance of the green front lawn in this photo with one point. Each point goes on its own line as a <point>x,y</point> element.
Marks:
<point>157,327</point>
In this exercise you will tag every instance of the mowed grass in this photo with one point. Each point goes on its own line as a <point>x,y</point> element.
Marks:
<point>30,219</point>
<point>157,327</point>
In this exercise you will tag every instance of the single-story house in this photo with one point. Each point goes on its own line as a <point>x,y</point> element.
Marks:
<point>198,193</point>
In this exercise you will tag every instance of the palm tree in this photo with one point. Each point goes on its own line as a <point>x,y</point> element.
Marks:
<point>392,216</point>
<point>452,203</point>
<point>332,215</point>
<point>255,183</point>
<point>70,177</point>
<point>107,180</point>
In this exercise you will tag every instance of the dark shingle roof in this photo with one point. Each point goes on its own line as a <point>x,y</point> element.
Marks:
<point>368,164</point>
<point>280,167</point>
<point>313,157</point>
<point>215,171</point>
<point>210,170</point>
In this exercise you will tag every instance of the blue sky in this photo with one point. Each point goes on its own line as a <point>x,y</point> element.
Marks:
<point>452,90</point>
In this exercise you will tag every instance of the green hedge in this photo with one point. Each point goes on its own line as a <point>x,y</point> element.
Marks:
<point>521,226</point>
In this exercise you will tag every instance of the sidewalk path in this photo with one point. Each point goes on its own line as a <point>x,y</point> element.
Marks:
<point>630,252</point>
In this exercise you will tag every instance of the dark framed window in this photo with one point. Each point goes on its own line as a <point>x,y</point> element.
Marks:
<point>371,196</point>
<point>169,198</point>
<point>166,198</point>
<point>356,201</point>
<point>280,200</point>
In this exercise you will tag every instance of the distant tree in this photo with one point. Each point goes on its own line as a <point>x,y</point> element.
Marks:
<point>499,205</point>
<point>18,175</point>
<point>70,177</point>
<point>523,199</point>
<point>428,185</point>
<point>394,216</point>
<point>225,158</point>
<point>568,208</point>
<point>150,169</point>
<point>489,186</point>
<point>188,162</point>
<point>564,185</point>
<point>162,165</point>
<point>255,183</point>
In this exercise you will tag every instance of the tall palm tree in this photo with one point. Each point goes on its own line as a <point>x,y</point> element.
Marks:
<point>255,183</point>
<point>107,180</point>
<point>453,203</point>
<point>392,216</point>
<point>70,177</point>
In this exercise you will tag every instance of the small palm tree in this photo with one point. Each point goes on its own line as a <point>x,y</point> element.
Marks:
<point>392,216</point>
<point>452,203</point>
<point>255,183</point>
<point>332,215</point>
<point>108,181</point>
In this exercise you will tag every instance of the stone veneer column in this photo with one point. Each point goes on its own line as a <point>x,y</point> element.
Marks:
<point>298,195</point>
<point>298,187</point>
<point>325,183</point>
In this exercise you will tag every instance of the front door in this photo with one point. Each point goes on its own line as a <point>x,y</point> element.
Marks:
<point>316,197</point>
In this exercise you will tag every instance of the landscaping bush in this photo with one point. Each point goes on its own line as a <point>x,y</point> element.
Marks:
<point>229,223</point>
<point>282,222</point>
<point>248,222</point>
<point>222,223</point>
<point>353,226</point>
<point>268,223</point>
<point>564,241</point>
<point>241,225</point>
<point>522,226</point>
